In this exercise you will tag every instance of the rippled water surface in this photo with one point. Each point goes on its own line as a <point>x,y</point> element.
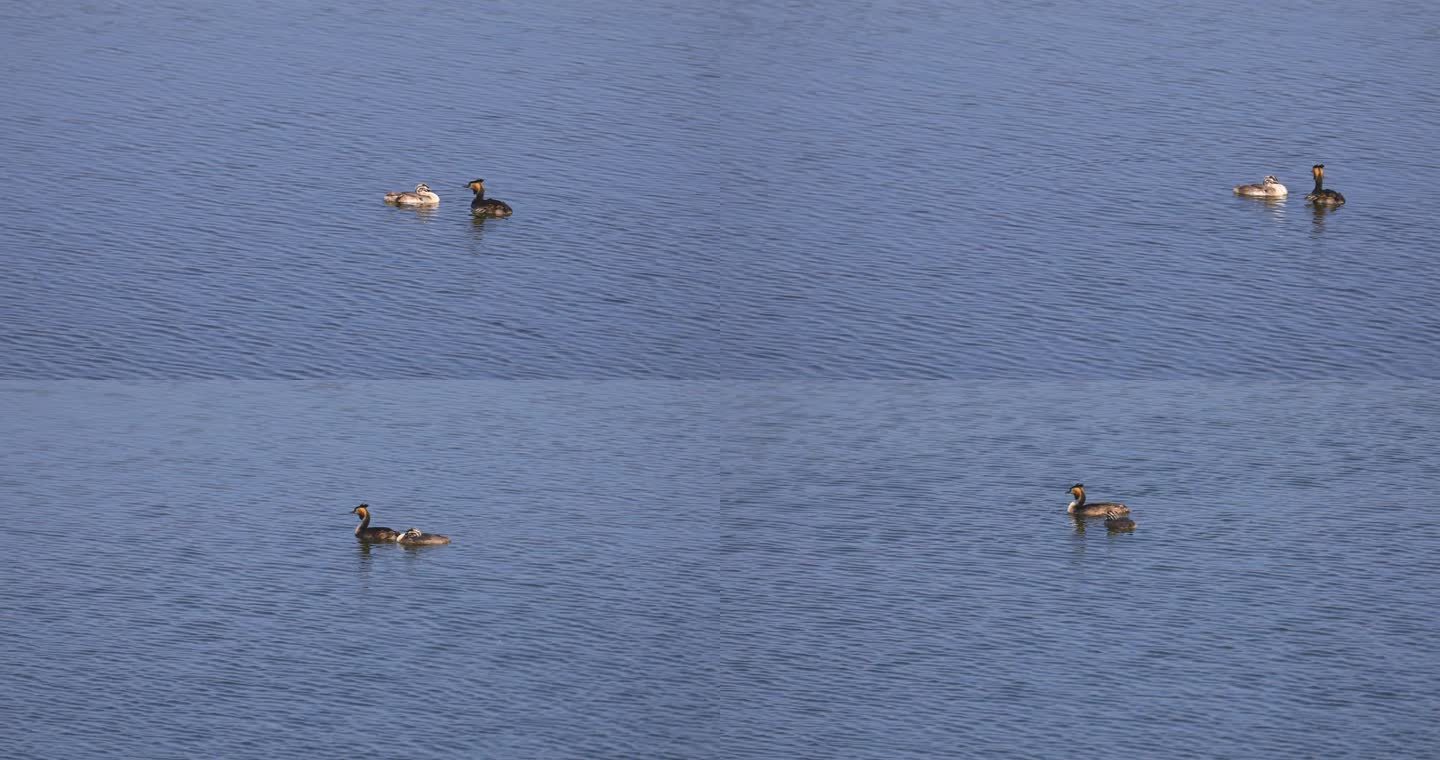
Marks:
<point>753,424</point>
<point>725,190</point>
<point>859,569</point>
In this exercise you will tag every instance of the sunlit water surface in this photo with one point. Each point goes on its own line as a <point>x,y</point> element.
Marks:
<point>692,569</point>
<point>701,190</point>
<point>752,426</point>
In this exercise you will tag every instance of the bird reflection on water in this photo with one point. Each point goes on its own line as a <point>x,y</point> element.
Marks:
<point>1319,212</point>
<point>1115,526</point>
<point>477,227</point>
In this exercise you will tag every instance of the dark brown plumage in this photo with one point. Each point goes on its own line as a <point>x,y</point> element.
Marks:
<point>364,532</point>
<point>482,206</point>
<point>1320,196</point>
<point>1079,508</point>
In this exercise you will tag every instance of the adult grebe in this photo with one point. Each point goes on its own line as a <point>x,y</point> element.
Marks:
<point>422,196</point>
<point>1079,508</point>
<point>1115,520</point>
<point>1268,188</point>
<point>483,206</point>
<point>1320,196</point>
<point>414,537</point>
<point>364,532</point>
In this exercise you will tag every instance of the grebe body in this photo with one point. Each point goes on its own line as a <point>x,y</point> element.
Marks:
<point>1116,521</point>
<point>482,206</point>
<point>364,532</point>
<point>1268,188</point>
<point>1320,196</point>
<point>414,537</point>
<point>423,196</point>
<point>1079,508</point>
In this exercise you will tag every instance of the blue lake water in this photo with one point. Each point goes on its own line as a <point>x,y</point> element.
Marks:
<point>753,425</point>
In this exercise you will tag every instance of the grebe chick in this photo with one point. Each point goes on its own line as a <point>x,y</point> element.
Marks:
<point>1079,508</point>
<point>414,537</point>
<point>364,532</point>
<point>483,206</point>
<point>1115,520</point>
<point>1320,196</point>
<point>422,196</point>
<point>1268,188</point>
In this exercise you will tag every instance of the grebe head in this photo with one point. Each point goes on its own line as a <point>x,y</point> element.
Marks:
<point>363,510</point>
<point>412,533</point>
<point>1318,171</point>
<point>422,189</point>
<point>1078,491</point>
<point>1270,180</point>
<point>478,185</point>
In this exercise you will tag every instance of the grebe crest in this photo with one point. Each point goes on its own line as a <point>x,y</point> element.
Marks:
<point>364,532</point>
<point>1079,508</point>
<point>1321,196</point>
<point>482,206</point>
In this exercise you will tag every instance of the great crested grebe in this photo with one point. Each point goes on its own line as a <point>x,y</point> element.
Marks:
<point>414,537</point>
<point>364,532</point>
<point>1320,196</point>
<point>423,196</point>
<point>1268,188</point>
<point>1079,508</point>
<point>1115,520</point>
<point>483,206</point>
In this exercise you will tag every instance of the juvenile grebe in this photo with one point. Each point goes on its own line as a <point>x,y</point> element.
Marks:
<point>364,532</point>
<point>483,206</point>
<point>1079,508</point>
<point>422,196</point>
<point>1268,188</point>
<point>414,537</point>
<point>1115,520</point>
<point>1320,196</point>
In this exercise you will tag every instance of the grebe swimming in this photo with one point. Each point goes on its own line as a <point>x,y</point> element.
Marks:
<point>364,532</point>
<point>422,196</point>
<point>1320,196</point>
<point>414,537</point>
<point>1079,508</point>
<point>483,206</point>
<point>1268,188</point>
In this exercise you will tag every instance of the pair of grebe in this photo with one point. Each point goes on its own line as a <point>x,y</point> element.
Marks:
<point>1270,187</point>
<point>1116,514</point>
<point>479,206</point>
<point>412,537</point>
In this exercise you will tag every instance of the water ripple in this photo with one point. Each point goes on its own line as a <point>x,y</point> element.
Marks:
<point>719,569</point>
<point>763,192</point>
